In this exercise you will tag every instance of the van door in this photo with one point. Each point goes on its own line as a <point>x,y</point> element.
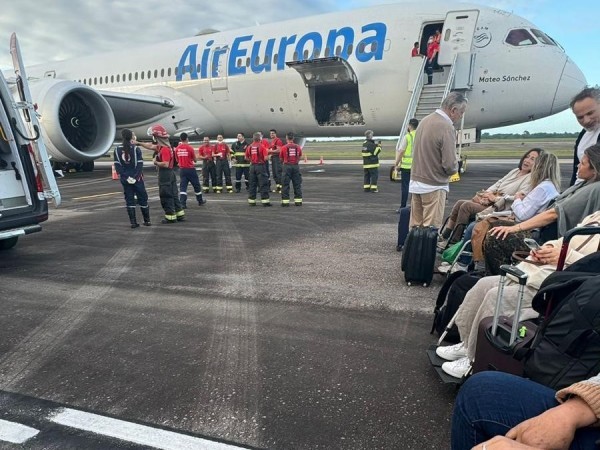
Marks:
<point>457,35</point>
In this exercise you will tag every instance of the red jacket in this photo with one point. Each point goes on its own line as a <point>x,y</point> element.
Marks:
<point>291,153</point>
<point>257,153</point>
<point>185,156</point>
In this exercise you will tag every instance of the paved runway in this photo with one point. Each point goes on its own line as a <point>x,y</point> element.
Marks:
<point>259,327</point>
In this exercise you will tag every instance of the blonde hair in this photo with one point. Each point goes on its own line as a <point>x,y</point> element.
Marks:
<point>546,167</point>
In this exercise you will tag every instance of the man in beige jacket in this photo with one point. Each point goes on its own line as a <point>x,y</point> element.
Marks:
<point>434,161</point>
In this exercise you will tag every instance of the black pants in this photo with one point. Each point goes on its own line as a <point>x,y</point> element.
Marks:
<point>223,170</point>
<point>370,178</point>
<point>209,172</point>
<point>277,169</point>
<point>405,184</point>
<point>291,173</point>
<point>189,176</point>
<point>169,194</point>
<point>239,171</point>
<point>260,180</point>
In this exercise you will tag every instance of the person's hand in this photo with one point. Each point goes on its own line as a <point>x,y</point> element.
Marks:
<point>519,195</point>
<point>546,254</point>
<point>553,430</point>
<point>503,443</point>
<point>503,232</point>
<point>131,180</point>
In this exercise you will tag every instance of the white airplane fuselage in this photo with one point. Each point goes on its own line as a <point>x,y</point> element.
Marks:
<point>238,80</point>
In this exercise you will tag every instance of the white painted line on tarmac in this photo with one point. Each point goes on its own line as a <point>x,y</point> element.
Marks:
<point>15,432</point>
<point>132,432</point>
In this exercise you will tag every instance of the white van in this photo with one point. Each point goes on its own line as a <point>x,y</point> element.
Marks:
<point>26,178</point>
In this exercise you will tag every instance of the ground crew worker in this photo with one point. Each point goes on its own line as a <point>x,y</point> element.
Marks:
<point>222,155</point>
<point>370,155</point>
<point>186,157</point>
<point>290,154</point>
<point>164,159</point>
<point>209,171</point>
<point>257,153</point>
<point>242,165</point>
<point>129,164</point>
<point>274,148</point>
<point>404,159</point>
<point>266,143</point>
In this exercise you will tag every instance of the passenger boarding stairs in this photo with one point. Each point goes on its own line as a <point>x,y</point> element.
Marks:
<point>426,98</point>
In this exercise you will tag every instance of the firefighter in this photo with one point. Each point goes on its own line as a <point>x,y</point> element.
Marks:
<point>274,149</point>
<point>129,164</point>
<point>242,165</point>
<point>164,160</point>
<point>221,154</point>
<point>291,154</point>
<point>257,153</point>
<point>370,155</point>
<point>186,158</point>
<point>209,171</point>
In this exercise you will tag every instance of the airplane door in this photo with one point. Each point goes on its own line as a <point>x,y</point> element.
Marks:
<point>457,34</point>
<point>218,68</point>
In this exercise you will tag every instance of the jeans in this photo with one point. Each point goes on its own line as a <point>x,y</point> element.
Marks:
<point>466,260</point>
<point>491,403</point>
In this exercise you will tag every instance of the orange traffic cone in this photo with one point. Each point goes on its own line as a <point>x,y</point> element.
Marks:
<point>321,161</point>
<point>114,174</point>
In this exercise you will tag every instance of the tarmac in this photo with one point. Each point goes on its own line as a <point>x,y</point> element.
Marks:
<point>279,328</point>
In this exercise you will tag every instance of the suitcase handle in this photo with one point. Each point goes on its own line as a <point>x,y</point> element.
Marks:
<point>521,277</point>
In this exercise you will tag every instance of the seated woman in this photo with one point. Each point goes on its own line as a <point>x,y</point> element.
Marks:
<point>495,410</point>
<point>480,301</point>
<point>517,180</point>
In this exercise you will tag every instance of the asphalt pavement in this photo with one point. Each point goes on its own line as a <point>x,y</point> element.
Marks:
<point>279,328</point>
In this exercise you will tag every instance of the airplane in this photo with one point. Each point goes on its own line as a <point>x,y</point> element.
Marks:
<point>332,75</point>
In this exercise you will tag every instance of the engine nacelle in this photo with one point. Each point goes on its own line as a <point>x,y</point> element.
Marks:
<point>77,122</point>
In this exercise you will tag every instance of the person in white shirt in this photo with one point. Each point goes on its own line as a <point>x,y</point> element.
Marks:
<point>586,107</point>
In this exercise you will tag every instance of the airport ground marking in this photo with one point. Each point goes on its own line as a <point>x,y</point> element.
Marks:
<point>15,433</point>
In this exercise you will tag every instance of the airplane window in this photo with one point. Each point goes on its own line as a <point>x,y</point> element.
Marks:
<point>305,54</point>
<point>275,58</point>
<point>118,77</point>
<point>338,50</point>
<point>373,47</point>
<point>295,56</point>
<point>112,78</point>
<point>267,59</point>
<point>169,72</point>
<point>543,37</point>
<point>257,60</point>
<point>361,48</point>
<point>162,73</point>
<point>149,74</point>
<point>317,53</point>
<point>327,51</point>
<point>135,76</point>
<point>349,50</point>
<point>142,75</point>
<point>520,37</point>
<point>198,68</point>
<point>155,73</point>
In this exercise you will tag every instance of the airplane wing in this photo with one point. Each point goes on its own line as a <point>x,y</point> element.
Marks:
<point>136,108</point>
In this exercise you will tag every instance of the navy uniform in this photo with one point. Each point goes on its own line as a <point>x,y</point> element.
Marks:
<point>242,165</point>
<point>370,155</point>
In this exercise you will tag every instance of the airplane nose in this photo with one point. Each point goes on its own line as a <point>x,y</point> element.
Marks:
<point>571,82</point>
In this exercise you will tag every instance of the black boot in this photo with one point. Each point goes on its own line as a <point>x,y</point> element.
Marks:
<point>183,200</point>
<point>146,215</point>
<point>132,219</point>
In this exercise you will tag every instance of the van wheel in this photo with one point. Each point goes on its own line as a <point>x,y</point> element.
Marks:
<point>5,244</point>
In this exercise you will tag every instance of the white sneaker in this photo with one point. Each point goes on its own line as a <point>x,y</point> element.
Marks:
<point>459,266</point>
<point>452,352</point>
<point>444,267</point>
<point>457,369</point>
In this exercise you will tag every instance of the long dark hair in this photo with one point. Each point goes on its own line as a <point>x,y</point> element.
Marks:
<point>127,136</point>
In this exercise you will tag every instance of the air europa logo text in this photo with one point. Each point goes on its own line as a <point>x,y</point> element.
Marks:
<point>198,63</point>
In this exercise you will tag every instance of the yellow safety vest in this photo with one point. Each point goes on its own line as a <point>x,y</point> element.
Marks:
<point>406,162</point>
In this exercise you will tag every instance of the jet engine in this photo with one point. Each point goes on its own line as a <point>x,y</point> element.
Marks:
<point>77,122</point>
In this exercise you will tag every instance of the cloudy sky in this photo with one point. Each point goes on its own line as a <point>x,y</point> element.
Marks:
<point>62,29</point>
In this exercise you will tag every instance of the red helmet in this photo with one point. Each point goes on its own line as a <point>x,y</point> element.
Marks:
<point>158,131</point>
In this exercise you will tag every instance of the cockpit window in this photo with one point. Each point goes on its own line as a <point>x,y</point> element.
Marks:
<point>520,37</point>
<point>543,37</point>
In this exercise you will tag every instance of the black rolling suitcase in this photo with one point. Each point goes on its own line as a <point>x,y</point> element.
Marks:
<point>498,337</point>
<point>403,221</point>
<point>418,255</point>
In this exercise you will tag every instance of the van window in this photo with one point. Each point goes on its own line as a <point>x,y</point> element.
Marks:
<point>520,37</point>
